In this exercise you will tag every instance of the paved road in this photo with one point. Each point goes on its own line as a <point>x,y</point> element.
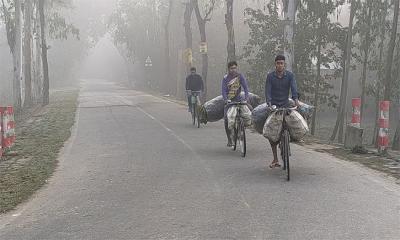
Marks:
<point>135,168</point>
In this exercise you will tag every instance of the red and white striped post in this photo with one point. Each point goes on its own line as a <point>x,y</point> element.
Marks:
<point>1,135</point>
<point>8,127</point>
<point>383,136</point>
<point>356,116</point>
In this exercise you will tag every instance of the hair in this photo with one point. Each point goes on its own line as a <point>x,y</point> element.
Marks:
<point>280,58</point>
<point>232,63</point>
<point>193,69</point>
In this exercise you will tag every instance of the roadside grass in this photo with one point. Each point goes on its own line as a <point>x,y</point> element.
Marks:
<point>41,134</point>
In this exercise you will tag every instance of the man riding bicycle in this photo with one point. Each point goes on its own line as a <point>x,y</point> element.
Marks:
<point>194,83</point>
<point>232,85</point>
<point>277,87</point>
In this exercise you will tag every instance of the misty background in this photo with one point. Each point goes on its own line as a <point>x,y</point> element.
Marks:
<point>117,36</point>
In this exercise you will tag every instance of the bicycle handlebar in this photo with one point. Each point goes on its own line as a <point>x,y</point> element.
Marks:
<point>283,109</point>
<point>237,103</point>
<point>190,91</point>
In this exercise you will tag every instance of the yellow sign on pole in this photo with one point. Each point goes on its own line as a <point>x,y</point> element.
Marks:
<point>188,56</point>
<point>203,47</point>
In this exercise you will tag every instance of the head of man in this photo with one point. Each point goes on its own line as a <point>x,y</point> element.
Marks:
<point>233,67</point>
<point>280,63</point>
<point>192,70</point>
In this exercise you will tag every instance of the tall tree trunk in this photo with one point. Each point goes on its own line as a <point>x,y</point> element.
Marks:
<point>167,81</point>
<point>345,81</point>
<point>204,70</point>
<point>290,7</point>
<point>46,84</point>
<point>318,77</point>
<point>28,52</point>
<point>17,56</point>
<point>396,138</point>
<point>187,54</point>
<point>203,38</point>
<point>14,38</point>
<point>231,46</point>
<point>376,128</point>
<point>9,27</point>
<point>341,99</point>
<point>389,60</point>
<point>38,83</point>
<point>365,61</point>
<point>380,79</point>
<point>188,34</point>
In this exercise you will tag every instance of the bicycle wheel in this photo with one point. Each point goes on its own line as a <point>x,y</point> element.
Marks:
<point>242,139</point>
<point>193,114</point>
<point>198,119</point>
<point>235,137</point>
<point>285,153</point>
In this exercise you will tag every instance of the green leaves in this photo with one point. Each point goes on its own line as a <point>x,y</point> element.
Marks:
<point>266,40</point>
<point>59,29</point>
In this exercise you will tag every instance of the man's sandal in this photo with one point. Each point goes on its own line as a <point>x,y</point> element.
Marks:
<point>274,165</point>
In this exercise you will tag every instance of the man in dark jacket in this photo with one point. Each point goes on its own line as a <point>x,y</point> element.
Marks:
<point>194,82</point>
<point>277,87</point>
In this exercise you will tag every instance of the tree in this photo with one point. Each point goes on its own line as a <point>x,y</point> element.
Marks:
<point>46,80</point>
<point>321,27</point>
<point>396,93</point>
<point>318,43</point>
<point>363,29</point>
<point>18,57</point>
<point>392,44</point>
<point>376,87</point>
<point>265,41</point>
<point>390,77</point>
<point>13,22</point>
<point>345,80</point>
<point>201,21</point>
<point>28,52</point>
<point>188,35</point>
<point>167,45</point>
<point>231,46</point>
<point>317,50</point>
<point>290,8</point>
<point>37,83</point>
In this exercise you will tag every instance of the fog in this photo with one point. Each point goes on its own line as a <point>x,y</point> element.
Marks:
<point>116,37</point>
<point>104,62</point>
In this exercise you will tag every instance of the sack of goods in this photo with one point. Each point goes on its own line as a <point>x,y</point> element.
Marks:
<point>259,115</point>
<point>254,100</point>
<point>213,110</point>
<point>273,126</point>
<point>244,112</point>
<point>304,109</point>
<point>297,125</point>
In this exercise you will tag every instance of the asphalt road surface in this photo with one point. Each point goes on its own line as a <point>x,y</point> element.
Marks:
<point>135,168</point>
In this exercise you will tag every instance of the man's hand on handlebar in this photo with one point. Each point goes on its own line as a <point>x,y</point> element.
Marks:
<point>297,102</point>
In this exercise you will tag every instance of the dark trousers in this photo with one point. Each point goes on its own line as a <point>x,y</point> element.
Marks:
<point>189,99</point>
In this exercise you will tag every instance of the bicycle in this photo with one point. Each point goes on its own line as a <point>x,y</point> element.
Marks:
<point>284,144</point>
<point>195,102</point>
<point>239,132</point>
